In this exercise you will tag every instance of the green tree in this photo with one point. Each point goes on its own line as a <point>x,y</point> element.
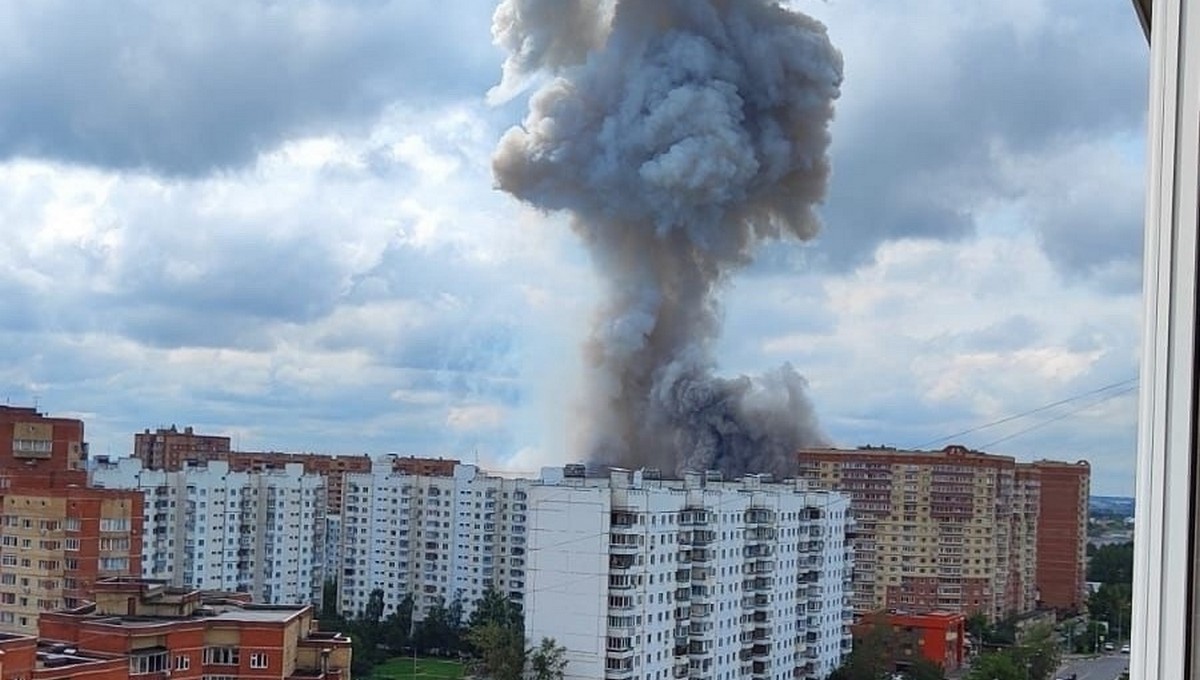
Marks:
<point>1112,564</point>
<point>396,633</point>
<point>996,666</point>
<point>924,669</point>
<point>501,650</point>
<point>871,657</point>
<point>437,631</point>
<point>373,612</point>
<point>548,661</point>
<point>1112,604</point>
<point>494,606</point>
<point>1039,652</point>
<point>978,626</point>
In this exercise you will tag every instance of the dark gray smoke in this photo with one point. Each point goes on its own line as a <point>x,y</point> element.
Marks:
<point>678,134</point>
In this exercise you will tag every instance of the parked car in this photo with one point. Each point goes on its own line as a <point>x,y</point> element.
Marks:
<point>1108,647</point>
<point>1125,649</point>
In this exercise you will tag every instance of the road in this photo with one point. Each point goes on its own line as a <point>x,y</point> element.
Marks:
<point>1100,668</point>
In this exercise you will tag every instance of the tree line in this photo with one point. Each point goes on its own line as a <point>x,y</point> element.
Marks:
<point>491,641</point>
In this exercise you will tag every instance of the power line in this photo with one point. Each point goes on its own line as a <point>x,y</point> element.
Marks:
<point>1059,417</point>
<point>1030,412</point>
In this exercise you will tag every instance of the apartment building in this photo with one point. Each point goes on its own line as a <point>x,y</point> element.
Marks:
<point>38,451</point>
<point>952,530</point>
<point>439,538</point>
<point>1062,534</point>
<point>210,527</point>
<point>640,577</point>
<point>56,543</point>
<point>173,450</point>
<point>142,630</point>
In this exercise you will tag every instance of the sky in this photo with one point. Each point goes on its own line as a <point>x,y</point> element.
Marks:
<point>278,221</point>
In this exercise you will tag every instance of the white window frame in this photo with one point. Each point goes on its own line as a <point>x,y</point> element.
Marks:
<point>1165,530</point>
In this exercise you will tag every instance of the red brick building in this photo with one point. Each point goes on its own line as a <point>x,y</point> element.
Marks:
<point>24,657</point>
<point>57,543</point>
<point>173,450</point>
<point>1062,534</point>
<point>139,630</point>
<point>937,637</point>
<point>39,451</point>
<point>947,530</point>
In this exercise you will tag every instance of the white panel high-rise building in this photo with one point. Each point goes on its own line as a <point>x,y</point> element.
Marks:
<point>697,578</point>
<point>439,538</point>
<point>259,532</point>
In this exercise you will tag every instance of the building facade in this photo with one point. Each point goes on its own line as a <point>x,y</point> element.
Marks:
<point>639,577</point>
<point>209,527</point>
<point>57,543</point>
<point>439,538</point>
<point>950,530</point>
<point>153,631</point>
<point>172,450</point>
<point>38,451</point>
<point>937,637</point>
<point>1062,534</point>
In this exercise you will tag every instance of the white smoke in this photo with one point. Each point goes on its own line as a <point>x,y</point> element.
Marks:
<point>678,134</point>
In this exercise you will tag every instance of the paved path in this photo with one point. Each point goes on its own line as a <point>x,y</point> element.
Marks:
<point>1106,667</point>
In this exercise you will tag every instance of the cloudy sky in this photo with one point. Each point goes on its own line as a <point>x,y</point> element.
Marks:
<point>277,221</point>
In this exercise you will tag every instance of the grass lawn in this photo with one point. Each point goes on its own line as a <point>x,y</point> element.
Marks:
<point>401,668</point>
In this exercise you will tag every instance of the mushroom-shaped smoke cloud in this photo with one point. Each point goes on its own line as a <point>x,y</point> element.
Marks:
<point>678,134</point>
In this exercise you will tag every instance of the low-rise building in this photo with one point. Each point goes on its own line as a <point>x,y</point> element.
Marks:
<point>156,632</point>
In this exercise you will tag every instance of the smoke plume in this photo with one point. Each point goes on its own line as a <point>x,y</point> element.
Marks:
<point>678,134</point>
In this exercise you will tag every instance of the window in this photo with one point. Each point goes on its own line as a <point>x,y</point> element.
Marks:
<point>258,660</point>
<point>221,656</point>
<point>114,524</point>
<point>72,524</point>
<point>72,544</point>
<point>152,662</point>
<point>183,662</point>
<point>114,563</point>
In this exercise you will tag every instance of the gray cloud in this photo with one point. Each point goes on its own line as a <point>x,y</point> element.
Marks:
<point>185,88</point>
<point>929,96</point>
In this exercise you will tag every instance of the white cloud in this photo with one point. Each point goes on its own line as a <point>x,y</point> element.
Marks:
<point>333,270</point>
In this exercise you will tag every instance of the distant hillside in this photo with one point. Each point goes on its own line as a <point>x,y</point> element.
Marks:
<point>1113,506</point>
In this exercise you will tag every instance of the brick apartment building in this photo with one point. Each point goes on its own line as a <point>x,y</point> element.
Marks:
<point>140,630</point>
<point>56,543</point>
<point>40,451</point>
<point>936,637</point>
<point>172,450</point>
<point>950,530</point>
<point>1062,534</point>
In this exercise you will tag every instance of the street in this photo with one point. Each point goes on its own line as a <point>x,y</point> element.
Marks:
<point>1106,667</point>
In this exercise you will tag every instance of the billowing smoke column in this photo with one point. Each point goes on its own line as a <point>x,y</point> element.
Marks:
<point>678,134</point>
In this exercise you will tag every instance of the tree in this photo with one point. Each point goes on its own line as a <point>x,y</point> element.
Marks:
<point>374,610</point>
<point>494,606</point>
<point>1112,564</point>
<point>871,657</point>
<point>548,661</point>
<point>396,633</point>
<point>1112,603</point>
<point>996,666</point>
<point>1039,652</point>
<point>924,669</point>
<point>438,630</point>
<point>978,626</point>
<point>501,650</point>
